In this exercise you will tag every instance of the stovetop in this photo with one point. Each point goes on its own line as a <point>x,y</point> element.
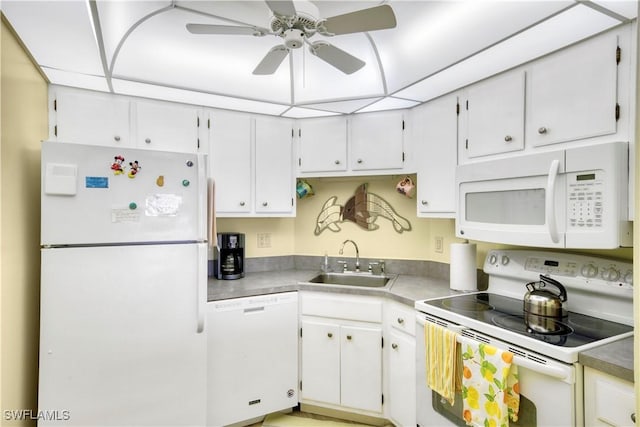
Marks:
<point>506,313</point>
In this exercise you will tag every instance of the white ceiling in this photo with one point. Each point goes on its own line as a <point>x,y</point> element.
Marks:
<point>142,48</point>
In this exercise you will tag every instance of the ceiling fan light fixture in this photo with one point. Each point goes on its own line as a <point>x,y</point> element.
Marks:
<point>293,38</point>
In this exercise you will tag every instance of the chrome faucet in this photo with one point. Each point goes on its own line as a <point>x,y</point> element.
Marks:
<point>357,253</point>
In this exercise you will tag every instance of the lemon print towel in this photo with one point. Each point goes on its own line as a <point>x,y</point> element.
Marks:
<point>490,387</point>
<point>441,360</point>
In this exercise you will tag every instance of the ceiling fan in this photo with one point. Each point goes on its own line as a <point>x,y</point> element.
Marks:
<point>297,23</point>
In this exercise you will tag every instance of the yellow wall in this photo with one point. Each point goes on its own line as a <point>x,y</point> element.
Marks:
<point>24,125</point>
<point>291,236</point>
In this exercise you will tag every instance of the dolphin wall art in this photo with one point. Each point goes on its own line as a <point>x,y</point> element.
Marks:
<point>363,208</point>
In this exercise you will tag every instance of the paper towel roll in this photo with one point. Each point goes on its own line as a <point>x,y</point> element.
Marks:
<point>462,270</point>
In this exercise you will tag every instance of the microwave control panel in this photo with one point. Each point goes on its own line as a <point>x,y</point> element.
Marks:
<point>585,194</point>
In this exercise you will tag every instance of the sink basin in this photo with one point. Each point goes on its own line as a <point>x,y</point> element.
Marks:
<point>352,279</point>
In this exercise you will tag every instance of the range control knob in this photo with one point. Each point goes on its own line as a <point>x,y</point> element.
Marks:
<point>493,259</point>
<point>504,260</point>
<point>628,278</point>
<point>589,270</point>
<point>610,274</point>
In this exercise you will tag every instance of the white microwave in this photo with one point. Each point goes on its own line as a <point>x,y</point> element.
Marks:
<point>570,198</point>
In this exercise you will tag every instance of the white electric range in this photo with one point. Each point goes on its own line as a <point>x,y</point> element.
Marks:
<point>599,311</point>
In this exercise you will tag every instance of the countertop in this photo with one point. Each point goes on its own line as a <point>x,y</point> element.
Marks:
<point>403,288</point>
<point>615,359</point>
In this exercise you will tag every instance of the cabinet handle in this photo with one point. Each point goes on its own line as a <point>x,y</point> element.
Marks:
<point>508,138</point>
<point>148,140</point>
<point>394,346</point>
<point>424,203</point>
<point>241,203</point>
<point>542,130</point>
<point>264,203</point>
<point>337,162</point>
<point>400,320</point>
<point>633,417</point>
<point>117,138</point>
<point>359,160</point>
<point>349,337</point>
<point>330,335</point>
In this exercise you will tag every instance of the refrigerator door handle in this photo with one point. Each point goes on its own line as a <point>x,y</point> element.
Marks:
<point>203,194</point>
<point>201,283</point>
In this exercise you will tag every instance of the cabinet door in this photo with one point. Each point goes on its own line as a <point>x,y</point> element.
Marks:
<point>274,178</point>
<point>608,401</point>
<point>361,369</point>
<point>230,160</point>
<point>437,156</point>
<point>167,127</point>
<point>321,362</point>
<point>402,379</point>
<point>92,118</point>
<point>323,144</point>
<point>495,115</point>
<point>573,93</point>
<point>377,141</point>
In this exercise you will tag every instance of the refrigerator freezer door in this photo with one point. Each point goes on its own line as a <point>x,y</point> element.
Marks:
<point>119,335</point>
<point>103,195</point>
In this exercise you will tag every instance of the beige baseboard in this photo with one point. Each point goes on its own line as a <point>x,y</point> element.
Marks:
<point>344,415</point>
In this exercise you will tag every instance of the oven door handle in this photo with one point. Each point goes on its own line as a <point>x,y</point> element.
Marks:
<point>551,371</point>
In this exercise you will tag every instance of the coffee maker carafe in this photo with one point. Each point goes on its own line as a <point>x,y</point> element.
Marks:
<point>230,262</point>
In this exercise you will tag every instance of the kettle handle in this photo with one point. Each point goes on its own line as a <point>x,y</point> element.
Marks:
<point>561,288</point>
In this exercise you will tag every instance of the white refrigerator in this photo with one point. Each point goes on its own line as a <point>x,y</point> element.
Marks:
<point>123,287</point>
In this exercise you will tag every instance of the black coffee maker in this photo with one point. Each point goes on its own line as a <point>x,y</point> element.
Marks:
<point>230,262</point>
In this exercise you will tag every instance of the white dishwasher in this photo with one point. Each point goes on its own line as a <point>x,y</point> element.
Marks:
<point>252,357</point>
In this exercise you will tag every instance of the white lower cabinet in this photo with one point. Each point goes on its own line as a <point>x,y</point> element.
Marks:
<point>608,400</point>
<point>400,369</point>
<point>252,357</point>
<point>341,352</point>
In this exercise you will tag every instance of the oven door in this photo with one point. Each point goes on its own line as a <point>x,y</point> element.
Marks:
<point>550,391</point>
<point>518,200</point>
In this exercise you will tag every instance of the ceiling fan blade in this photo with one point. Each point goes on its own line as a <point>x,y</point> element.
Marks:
<point>375,18</point>
<point>281,7</point>
<point>272,60</point>
<point>225,29</point>
<point>340,59</point>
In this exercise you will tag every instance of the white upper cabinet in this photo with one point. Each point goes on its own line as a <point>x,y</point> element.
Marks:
<point>436,155</point>
<point>274,177</point>
<point>86,117</point>
<point>322,144</point>
<point>494,113</point>
<point>377,141</point>
<point>167,127</point>
<point>230,160</point>
<point>573,95</point>
<point>252,164</point>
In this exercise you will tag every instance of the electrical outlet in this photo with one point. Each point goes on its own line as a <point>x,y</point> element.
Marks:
<point>439,244</point>
<point>264,240</point>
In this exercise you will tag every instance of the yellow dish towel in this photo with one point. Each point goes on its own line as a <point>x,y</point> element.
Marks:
<point>441,360</point>
<point>490,387</point>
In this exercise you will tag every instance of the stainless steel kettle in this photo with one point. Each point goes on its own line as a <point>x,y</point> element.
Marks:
<point>540,301</point>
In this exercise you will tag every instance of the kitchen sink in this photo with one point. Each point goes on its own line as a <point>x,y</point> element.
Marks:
<point>366,280</point>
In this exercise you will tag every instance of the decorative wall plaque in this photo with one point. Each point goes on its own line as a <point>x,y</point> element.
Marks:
<point>363,208</point>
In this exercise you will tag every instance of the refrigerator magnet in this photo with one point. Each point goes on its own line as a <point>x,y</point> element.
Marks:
<point>116,166</point>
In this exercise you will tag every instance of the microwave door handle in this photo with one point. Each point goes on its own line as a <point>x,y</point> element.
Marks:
<point>550,202</point>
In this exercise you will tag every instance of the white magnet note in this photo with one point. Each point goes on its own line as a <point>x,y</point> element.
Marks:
<point>61,179</point>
